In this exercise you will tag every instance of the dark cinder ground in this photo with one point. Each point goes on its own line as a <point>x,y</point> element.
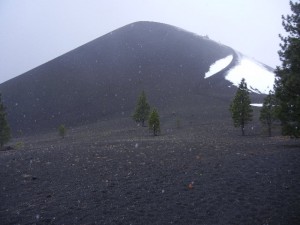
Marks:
<point>104,174</point>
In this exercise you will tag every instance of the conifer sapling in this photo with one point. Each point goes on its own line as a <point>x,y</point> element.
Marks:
<point>240,108</point>
<point>142,109</point>
<point>154,123</point>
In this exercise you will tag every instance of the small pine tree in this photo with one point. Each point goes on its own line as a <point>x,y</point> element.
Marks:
<point>62,131</point>
<point>268,111</point>
<point>240,107</point>
<point>154,123</point>
<point>142,109</point>
<point>4,127</point>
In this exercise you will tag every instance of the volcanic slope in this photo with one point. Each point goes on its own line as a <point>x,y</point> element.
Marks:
<point>103,78</point>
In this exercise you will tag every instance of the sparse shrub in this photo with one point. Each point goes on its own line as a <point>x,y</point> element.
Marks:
<point>62,131</point>
<point>19,145</point>
<point>154,123</point>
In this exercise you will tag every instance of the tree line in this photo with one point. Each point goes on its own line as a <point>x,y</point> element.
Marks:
<point>284,103</point>
<point>241,110</point>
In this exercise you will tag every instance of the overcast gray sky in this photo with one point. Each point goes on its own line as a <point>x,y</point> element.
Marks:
<point>36,31</point>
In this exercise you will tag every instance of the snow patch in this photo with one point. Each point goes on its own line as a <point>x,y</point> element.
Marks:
<point>219,65</point>
<point>258,78</point>
<point>256,104</point>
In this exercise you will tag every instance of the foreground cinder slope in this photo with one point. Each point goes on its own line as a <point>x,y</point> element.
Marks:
<point>193,175</point>
<point>103,78</point>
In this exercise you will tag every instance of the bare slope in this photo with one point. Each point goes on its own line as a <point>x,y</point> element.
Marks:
<point>103,78</point>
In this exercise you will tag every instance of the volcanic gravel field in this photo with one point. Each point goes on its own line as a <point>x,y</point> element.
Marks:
<point>189,175</point>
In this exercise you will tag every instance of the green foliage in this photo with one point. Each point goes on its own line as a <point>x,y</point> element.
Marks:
<point>4,127</point>
<point>19,145</point>
<point>62,131</point>
<point>240,107</point>
<point>268,111</point>
<point>154,123</point>
<point>142,109</point>
<point>287,83</point>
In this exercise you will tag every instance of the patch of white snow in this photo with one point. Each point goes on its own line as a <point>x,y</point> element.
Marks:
<point>218,66</point>
<point>259,79</point>
<point>257,104</point>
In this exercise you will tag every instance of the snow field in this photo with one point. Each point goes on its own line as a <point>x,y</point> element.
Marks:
<point>258,78</point>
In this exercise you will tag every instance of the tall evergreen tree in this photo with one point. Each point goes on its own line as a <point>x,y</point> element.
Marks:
<point>240,107</point>
<point>268,111</point>
<point>154,123</point>
<point>142,109</point>
<point>287,83</point>
<point>4,127</point>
